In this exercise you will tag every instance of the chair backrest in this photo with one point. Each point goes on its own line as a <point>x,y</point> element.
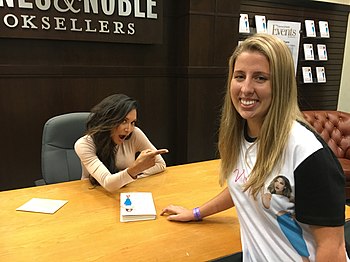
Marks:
<point>59,162</point>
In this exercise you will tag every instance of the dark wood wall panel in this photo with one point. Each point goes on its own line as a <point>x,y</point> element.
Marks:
<point>311,96</point>
<point>204,121</point>
<point>210,28</point>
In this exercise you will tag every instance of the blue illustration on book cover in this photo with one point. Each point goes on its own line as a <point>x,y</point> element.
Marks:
<point>128,204</point>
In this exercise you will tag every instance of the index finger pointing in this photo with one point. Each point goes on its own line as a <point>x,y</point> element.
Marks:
<point>161,151</point>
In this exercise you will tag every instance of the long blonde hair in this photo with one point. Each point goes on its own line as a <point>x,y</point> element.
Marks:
<point>278,121</point>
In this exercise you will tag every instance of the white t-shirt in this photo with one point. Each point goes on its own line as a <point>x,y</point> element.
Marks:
<point>125,156</point>
<point>281,232</point>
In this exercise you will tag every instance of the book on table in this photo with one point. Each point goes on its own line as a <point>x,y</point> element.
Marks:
<point>136,206</point>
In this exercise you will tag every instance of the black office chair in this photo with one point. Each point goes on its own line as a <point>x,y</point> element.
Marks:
<point>59,162</point>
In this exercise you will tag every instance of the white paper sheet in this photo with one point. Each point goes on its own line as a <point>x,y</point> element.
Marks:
<point>42,205</point>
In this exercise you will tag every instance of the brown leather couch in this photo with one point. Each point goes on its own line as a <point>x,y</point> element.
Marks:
<point>334,128</point>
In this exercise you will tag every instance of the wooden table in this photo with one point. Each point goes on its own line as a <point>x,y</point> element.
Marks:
<point>87,228</point>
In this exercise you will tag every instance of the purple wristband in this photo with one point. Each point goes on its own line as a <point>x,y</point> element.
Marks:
<point>197,214</point>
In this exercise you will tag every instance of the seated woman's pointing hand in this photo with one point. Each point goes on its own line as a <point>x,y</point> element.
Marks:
<point>145,160</point>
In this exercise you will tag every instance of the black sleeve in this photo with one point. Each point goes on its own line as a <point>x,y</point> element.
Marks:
<point>320,190</point>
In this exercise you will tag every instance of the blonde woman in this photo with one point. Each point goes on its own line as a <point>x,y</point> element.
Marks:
<point>262,135</point>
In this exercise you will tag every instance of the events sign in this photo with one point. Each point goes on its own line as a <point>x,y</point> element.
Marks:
<point>289,32</point>
<point>126,21</point>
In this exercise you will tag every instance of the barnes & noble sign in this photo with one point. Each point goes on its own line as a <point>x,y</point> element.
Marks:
<point>125,21</point>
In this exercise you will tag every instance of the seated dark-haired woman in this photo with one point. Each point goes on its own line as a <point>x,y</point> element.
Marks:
<point>112,141</point>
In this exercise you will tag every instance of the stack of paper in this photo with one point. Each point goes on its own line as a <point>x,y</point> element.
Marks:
<point>135,206</point>
<point>42,205</point>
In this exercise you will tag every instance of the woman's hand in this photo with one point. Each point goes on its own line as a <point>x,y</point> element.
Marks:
<point>266,200</point>
<point>219,203</point>
<point>145,160</point>
<point>178,213</point>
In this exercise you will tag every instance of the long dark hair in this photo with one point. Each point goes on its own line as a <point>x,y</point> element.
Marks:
<point>104,117</point>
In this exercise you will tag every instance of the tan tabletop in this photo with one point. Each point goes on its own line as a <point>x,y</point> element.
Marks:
<point>87,228</point>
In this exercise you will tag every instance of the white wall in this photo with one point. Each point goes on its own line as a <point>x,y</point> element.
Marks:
<point>344,93</point>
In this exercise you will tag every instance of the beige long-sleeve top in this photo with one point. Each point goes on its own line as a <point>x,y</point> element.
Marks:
<point>125,156</point>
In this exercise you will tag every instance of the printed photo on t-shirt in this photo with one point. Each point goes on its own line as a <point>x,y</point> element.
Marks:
<point>279,202</point>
